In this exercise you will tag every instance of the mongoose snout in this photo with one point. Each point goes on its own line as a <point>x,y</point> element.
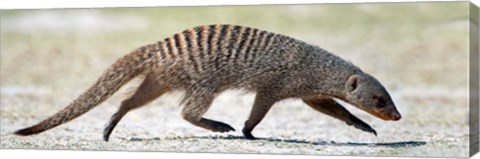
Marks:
<point>387,114</point>
<point>394,115</point>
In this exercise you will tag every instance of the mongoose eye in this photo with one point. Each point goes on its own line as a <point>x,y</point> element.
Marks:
<point>379,101</point>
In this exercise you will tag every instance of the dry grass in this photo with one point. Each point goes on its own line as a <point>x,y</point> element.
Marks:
<point>418,50</point>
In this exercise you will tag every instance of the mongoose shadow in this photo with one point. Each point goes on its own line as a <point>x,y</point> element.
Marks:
<point>398,144</point>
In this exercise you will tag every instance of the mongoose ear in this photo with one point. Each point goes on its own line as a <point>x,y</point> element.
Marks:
<point>352,83</point>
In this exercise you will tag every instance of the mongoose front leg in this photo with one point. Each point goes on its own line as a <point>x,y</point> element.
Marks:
<point>146,92</point>
<point>262,104</point>
<point>195,106</point>
<point>330,107</point>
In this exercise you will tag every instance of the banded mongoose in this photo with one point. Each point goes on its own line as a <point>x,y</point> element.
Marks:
<point>207,60</point>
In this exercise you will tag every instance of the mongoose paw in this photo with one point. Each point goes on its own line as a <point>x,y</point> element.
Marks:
<point>221,127</point>
<point>362,126</point>
<point>106,137</point>
<point>248,135</point>
<point>108,131</point>
<point>106,134</point>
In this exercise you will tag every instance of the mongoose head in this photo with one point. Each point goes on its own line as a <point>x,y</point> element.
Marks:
<point>366,93</point>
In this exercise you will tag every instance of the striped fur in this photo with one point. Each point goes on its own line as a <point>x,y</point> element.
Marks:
<point>221,44</point>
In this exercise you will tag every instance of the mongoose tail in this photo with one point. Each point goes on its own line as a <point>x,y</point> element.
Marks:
<point>122,71</point>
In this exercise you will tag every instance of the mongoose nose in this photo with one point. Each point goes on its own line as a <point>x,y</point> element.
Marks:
<point>397,117</point>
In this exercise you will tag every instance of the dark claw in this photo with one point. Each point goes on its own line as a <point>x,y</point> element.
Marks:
<point>221,127</point>
<point>105,137</point>
<point>248,135</point>
<point>230,128</point>
<point>107,131</point>
<point>359,124</point>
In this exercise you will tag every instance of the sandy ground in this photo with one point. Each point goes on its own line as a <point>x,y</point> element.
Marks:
<point>290,128</point>
<point>47,66</point>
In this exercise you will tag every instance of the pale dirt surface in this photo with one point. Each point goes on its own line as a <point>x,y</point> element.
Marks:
<point>49,57</point>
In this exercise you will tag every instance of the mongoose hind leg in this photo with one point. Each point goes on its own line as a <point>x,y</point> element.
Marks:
<point>196,105</point>
<point>330,107</point>
<point>145,93</point>
<point>262,104</point>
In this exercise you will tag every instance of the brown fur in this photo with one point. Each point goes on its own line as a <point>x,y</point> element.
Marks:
<point>207,60</point>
